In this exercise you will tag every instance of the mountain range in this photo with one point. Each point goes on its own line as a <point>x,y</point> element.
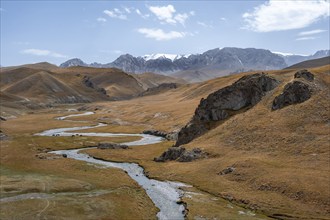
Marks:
<point>199,67</point>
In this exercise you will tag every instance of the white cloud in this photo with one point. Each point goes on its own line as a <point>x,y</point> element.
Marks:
<point>306,38</point>
<point>128,10</point>
<point>181,18</point>
<point>116,13</point>
<point>286,15</point>
<point>144,16</point>
<point>223,19</point>
<point>167,14</point>
<point>317,31</point>
<point>38,52</point>
<point>160,35</point>
<point>203,24</point>
<point>101,19</point>
<point>164,13</point>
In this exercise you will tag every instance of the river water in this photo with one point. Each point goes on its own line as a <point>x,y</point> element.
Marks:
<point>164,194</point>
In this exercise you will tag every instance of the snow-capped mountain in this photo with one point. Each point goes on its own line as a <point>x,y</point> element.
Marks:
<point>156,56</point>
<point>210,64</point>
<point>291,59</point>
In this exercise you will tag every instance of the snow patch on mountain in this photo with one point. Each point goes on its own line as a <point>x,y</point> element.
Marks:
<point>288,54</point>
<point>172,57</point>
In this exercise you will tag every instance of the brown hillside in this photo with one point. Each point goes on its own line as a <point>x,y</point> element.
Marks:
<point>149,80</point>
<point>281,158</point>
<point>118,84</point>
<point>42,87</point>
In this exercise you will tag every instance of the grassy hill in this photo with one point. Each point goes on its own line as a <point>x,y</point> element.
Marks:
<point>280,157</point>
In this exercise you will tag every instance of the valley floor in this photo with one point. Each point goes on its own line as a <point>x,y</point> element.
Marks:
<point>281,159</point>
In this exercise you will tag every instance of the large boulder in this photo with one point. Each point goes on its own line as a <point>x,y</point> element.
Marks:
<point>293,93</point>
<point>304,74</point>
<point>220,105</point>
<point>181,154</point>
<point>194,154</point>
<point>171,153</point>
<point>109,145</point>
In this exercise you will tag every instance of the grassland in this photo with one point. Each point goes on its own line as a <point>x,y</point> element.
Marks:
<point>281,158</point>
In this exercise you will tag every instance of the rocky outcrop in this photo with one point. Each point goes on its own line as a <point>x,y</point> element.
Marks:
<point>48,156</point>
<point>87,82</point>
<point>227,170</point>
<point>180,154</point>
<point>194,154</point>
<point>110,145</point>
<point>293,93</point>
<point>167,135</point>
<point>304,74</point>
<point>220,105</point>
<point>2,118</point>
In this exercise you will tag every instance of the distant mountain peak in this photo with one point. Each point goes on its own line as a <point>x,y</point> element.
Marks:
<point>73,62</point>
<point>156,56</point>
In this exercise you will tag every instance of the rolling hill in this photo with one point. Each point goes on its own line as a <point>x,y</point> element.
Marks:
<point>280,158</point>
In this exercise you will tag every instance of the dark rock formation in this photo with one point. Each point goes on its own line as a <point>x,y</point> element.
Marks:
<point>227,170</point>
<point>194,154</point>
<point>104,145</point>
<point>304,74</point>
<point>293,93</point>
<point>2,119</point>
<point>241,95</point>
<point>172,153</point>
<point>180,154</point>
<point>87,81</point>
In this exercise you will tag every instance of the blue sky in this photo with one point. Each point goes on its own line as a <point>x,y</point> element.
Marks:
<point>100,31</point>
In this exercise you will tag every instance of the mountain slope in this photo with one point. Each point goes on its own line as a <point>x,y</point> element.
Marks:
<point>311,63</point>
<point>226,60</point>
<point>208,65</point>
<point>43,87</point>
<point>149,80</point>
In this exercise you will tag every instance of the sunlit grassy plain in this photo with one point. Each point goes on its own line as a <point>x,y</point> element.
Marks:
<point>281,158</point>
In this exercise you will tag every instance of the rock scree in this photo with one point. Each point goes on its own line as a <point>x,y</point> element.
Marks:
<point>304,74</point>
<point>180,154</point>
<point>293,93</point>
<point>228,101</point>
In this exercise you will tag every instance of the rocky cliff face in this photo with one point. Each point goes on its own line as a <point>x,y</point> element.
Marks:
<point>220,105</point>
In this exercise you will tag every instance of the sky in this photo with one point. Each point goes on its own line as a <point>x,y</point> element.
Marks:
<point>100,31</point>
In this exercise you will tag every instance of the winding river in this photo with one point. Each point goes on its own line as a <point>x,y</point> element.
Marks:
<point>164,194</point>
